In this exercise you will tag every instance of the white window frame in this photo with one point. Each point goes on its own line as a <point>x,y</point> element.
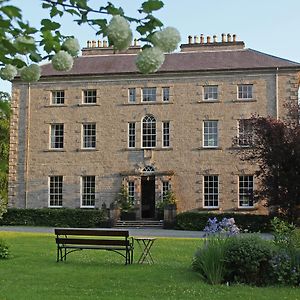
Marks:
<point>55,191</point>
<point>92,195</point>
<point>53,136</point>
<point>58,97</point>
<point>90,138</point>
<point>166,186</point>
<point>245,133</point>
<point>245,91</point>
<point>166,94</point>
<point>166,134</point>
<point>131,135</point>
<point>89,97</point>
<point>149,94</point>
<point>132,96</point>
<point>151,137</point>
<point>209,193</point>
<point>210,93</point>
<point>131,191</point>
<point>210,135</point>
<point>242,191</point>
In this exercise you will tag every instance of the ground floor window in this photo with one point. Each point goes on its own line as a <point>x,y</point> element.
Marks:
<point>165,189</point>
<point>55,191</point>
<point>246,191</point>
<point>131,192</point>
<point>88,191</point>
<point>211,191</point>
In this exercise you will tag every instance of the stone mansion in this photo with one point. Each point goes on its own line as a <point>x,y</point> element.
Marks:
<point>77,136</point>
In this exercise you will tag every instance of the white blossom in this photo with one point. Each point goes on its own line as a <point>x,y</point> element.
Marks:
<point>23,42</point>
<point>8,72</point>
<point>119,32</point>
<point>31,73</point>
<point>71,45</point>
<point>62,61</point>
<point>167,39</point>
<point>150,60</point>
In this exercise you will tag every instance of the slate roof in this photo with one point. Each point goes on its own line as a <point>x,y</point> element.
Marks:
<point>175,62</point>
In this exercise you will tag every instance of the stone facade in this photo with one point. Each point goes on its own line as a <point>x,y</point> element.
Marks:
<point>184,163</point>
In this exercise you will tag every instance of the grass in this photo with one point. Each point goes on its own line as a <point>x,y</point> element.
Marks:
<point>32,273</point>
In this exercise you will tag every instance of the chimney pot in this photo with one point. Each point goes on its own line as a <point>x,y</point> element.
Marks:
<point>228,37</point>
<point>105,44</point>
<point>215,38</point>
<point>223,38</point>
<point>201,39</point>
<point>88,44</point>
<point>99,44</point>
<point>234,38</point>
<point>190,39</point>
<point>208,39</point>
<point>135,42</point>
<point>196,40</point>
<point>93,44</point>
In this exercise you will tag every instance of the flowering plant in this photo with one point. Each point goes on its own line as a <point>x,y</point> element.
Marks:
<point>226,227</point>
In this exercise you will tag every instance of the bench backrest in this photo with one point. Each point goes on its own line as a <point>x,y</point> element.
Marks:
<point>91,232</point>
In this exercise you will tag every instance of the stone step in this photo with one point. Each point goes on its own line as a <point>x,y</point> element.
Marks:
<point>140,224</point>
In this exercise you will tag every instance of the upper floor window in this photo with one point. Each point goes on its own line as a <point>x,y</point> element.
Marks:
<point>58,97</point>
<point>57,136</point>
<point>89,96</point>
<point>131,95</point>
<point>89,135</point>
<point>211,191</point>
<point>166,94</point>
<point>131,191</point>
<point>210,92</point>
<point>55,191</point>
<point>245,132</point>
<point>131,135</point>
<point>210,134</point>
<point>88,191</point>
<point>166,134</point>
<point>149,94</point>
<point>245,91</point>
<point>246,191</point>
<point>148,132</point>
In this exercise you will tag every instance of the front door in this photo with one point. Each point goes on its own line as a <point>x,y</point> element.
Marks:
<point>148,196</point>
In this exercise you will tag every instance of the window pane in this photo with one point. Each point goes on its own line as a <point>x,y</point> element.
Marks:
<point>89,136</point>
<point>57,136</point>
<point>246,191</point>
<point>210,92</point>
<point>245,91</point>
<point>55,190</point>
<point>166,94</point>
<point>131,95</point>
<point>58,97</point>
<point>211,191</point>
<point>131,192</point>
<point>88,191</point>
<point>210,133</point>
<point>149,94</point>
<point>166,134</point>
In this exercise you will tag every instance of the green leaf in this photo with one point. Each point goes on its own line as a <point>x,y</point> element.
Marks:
<point>72,12</point>
<point>4,23</point>
<point>54,11</point>
<point>46,5</point>
<point>36,57</point>
<point>11,11</point>
<point>112,10</point>
<point>49,25</point>
<point>151,5</point>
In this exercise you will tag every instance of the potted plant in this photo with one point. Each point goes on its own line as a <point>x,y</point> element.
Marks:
<point>126,205</point>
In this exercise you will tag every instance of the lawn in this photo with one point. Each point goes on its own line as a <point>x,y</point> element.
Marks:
<point>33,273</point>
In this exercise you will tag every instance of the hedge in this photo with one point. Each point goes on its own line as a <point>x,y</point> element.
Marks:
<point>52,217</point>
<point>198,220</point>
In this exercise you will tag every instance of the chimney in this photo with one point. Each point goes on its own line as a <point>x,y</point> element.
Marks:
<point>234,38</point>
<point>201,39</point>
<point>93,44</point>
<point>223,38</point>
<point>99,44</point>
<point>88,44</point>
<point>228,38</point>
<point>190,39</point>
<point>196,40</point>
<point>208,39</point>
<point>215,38</point>
<point>105,44</point>
<point>135,43</point>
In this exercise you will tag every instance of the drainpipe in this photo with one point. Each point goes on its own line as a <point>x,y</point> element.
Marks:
<point>276,91</point>
<point>27,146</point>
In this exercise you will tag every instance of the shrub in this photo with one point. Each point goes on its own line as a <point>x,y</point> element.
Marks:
<point>224,228</point>
<point>197,221</point>
<point>4,250</point>
<point>247,259</point>
<point>209,260</point>
<point>61,217</point>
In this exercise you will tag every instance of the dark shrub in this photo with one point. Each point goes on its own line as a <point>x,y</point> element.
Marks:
<point>198,220</point>
<point>247,259</point>
<point>63,217</point>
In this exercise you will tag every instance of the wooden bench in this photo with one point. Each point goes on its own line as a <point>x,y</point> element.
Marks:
<point>69,240</point>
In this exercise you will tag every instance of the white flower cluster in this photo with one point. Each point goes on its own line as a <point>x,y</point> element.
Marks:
<point>150,60</point>
<point>62,61</point>
<point>167,39</point>
<point>119,32</point>
<point>72,46</point>
<point>31,73</point>
<point>8,72</point>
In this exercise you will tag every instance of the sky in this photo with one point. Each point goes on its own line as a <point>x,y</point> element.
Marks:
<point>269,26</point>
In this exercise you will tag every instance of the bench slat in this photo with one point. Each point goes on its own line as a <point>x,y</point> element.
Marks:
<point>91,232</point>
<point>69,241</point>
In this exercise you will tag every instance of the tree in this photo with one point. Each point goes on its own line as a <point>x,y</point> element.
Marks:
<point>23,46</point>
<point>275,148</point>
<point>4,149</point>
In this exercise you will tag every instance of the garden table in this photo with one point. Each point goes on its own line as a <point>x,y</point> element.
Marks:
<point>145,244</point>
